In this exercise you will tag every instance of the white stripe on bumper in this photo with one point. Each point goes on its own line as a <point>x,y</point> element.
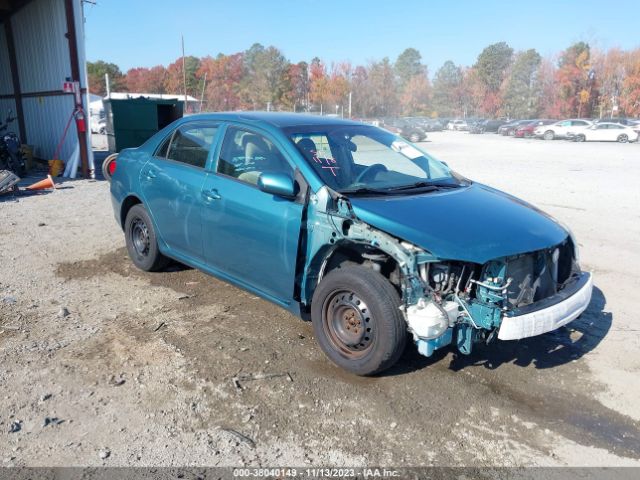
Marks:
<point>547,319</point>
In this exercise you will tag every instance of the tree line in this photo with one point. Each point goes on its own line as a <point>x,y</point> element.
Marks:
<point>580,81</point>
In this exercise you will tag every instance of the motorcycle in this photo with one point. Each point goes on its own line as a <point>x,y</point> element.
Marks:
<point>10,153</point>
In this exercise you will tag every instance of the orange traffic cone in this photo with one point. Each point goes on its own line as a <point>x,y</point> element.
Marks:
<point>42,184</point>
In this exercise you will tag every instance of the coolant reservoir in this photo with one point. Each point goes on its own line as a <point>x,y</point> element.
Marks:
<point>426,321</point>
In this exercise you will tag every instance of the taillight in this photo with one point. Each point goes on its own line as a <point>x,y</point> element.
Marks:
<point>112,167</point>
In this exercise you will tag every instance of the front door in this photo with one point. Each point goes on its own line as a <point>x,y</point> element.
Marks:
<point>172,187</point>
<point>250,235</point>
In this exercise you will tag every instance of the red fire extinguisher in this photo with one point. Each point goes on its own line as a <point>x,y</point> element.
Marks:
<point>81,123</point>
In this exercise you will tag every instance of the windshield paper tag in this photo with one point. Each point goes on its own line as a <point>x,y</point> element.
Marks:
<point>407,150</point>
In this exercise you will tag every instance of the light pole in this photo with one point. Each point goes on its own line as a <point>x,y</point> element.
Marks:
<point>337,108</point>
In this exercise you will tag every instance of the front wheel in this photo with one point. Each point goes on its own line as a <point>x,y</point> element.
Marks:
<point>142,242</point>
<point>357,320</point>
<point>548,135</point>
<point>414,137</point>
<point>580,138</point>
<point>624,138</point>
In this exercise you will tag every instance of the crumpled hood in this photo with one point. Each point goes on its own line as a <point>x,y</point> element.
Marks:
<point>474,224</point>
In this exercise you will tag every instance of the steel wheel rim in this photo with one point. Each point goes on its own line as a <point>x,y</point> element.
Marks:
<point>347,323</point>
<point>140,237</point>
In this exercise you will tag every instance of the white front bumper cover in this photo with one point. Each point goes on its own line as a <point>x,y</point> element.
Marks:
<point>547,319</point>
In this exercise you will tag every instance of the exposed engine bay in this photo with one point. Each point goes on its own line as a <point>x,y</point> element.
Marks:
<point>471,300</point>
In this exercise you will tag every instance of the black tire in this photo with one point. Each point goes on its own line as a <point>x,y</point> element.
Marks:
<point>141,240</point>
<point>414,137</point>
<point>362,301</point>
<point>16,163</point>
<point>105,166</point>
<point>624,138</point>
<point>548,135</point>
<point>580,138</point>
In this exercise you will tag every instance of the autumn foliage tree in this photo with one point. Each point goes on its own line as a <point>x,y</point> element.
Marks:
<point>579,81</point>
<point>147,80</point>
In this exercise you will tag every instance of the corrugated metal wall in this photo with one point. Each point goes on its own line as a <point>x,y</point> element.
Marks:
<point>6,85</point>
<point>42,53</point>
<point>38,30</point>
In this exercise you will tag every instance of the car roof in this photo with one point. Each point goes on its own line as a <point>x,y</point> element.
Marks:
<point>276,119</point>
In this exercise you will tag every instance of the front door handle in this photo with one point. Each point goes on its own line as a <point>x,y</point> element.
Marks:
<point>151,173</point>
<point>210,195</point>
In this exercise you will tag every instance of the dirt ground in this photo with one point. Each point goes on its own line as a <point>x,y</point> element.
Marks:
<point>106,365</point>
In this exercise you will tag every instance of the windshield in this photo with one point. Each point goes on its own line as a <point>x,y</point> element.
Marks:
<point>367,159</point>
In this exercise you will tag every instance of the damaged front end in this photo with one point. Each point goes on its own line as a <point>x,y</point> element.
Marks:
<point>513,297</point>
<point>449,301</point>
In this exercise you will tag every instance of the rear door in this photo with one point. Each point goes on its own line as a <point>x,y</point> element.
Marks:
<point>172,186</point>
<point>250,235</point>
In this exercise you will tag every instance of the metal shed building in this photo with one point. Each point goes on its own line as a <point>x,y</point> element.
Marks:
<point>42,46</point>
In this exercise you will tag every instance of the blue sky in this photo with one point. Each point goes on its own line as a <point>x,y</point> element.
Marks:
<point>147,32</point>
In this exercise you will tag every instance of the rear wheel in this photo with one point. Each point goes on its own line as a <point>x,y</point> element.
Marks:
<point>624,138</point>
<point>142,242</point>
<point>414,137</point>
<point>548,135</point>
<point>357,320</point>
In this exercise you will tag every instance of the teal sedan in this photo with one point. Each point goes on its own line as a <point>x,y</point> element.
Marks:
<point>351,227</point>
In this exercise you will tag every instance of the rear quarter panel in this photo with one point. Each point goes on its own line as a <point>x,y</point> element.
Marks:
<point>126,178</point>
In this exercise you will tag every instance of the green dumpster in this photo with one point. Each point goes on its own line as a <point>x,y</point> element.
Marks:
<point>131,121</point>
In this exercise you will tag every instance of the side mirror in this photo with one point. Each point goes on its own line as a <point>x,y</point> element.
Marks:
<point>277,184</point>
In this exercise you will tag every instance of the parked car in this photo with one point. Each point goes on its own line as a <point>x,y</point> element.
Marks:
<point>620,120</point>
<point>477,126</point>
<point>457,125</point>
<point>350,226</point>
<point>431,125</point>
<point>606,132</point>
<point>527,129</point>
<point>562,128</point>
<point>493,125</point>
<point>424,123</point>
<point>411,132</point>
<point>510,128</point>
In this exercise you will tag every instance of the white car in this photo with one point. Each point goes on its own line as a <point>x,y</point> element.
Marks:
<point>606,132</point>
<point>561,129</point>
<point>457,125</point>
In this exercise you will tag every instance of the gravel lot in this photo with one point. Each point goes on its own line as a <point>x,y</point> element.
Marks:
<point>106,365</point>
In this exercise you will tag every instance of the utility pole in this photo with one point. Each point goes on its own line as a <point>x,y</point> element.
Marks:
<point>203,85</point>
<point>350,104</point>
<point>108,86</point>
<point>184,75</point>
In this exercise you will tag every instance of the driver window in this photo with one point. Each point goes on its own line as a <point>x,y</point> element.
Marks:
<point>245,155</point>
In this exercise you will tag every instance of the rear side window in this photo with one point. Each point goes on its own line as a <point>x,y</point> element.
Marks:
<point>190,144</point>
<point>164,148</point>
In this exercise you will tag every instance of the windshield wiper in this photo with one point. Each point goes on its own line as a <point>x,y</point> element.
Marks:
<point>427,186</point>
<point>365,191</point>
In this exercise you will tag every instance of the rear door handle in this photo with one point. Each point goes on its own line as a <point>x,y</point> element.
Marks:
<point>210,195</point>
